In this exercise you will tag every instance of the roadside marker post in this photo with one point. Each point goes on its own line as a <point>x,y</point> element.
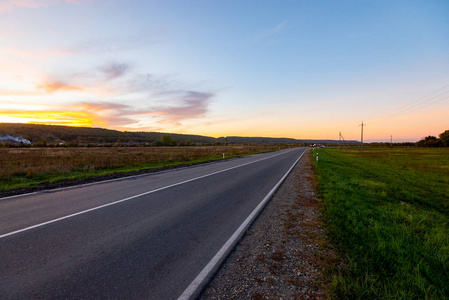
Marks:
<point>317,157</point>
<point>223,155</point>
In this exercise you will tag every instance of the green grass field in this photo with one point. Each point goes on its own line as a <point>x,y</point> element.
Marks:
<point>388,213</point>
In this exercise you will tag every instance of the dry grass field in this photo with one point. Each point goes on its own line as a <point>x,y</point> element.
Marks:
<point>25,167</point>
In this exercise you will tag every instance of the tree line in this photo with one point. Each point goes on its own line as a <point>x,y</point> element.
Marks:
<point>433,141</point>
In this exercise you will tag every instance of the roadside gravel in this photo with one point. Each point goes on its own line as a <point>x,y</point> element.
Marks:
<point>285,253</point>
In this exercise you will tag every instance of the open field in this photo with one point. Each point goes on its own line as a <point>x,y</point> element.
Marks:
<point>26,167</point>
<point>388,211</point>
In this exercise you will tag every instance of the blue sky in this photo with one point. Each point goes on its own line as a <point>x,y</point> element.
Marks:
<point>301,69</point>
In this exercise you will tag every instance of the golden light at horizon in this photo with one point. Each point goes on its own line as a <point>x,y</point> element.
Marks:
<point>298,130</point>
<point>71,118</point>
<point>413,127</point>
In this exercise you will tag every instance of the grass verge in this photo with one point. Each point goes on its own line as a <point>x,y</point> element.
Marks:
<point>388,212</point>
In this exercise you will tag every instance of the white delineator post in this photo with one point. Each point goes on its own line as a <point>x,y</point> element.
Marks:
<point>317,157</point>
<point>223,155</point>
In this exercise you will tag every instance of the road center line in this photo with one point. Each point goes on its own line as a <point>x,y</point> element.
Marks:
<point>136,196</point>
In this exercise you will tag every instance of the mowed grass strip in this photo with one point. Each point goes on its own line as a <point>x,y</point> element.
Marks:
<point>28,167</point>
<point>388,212</point>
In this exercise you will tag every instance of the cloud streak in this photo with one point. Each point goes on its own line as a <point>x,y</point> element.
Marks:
<point>92,80</point>
<point>114,70</point>
<point>52,86</point>
<point>156,35</point>
<point>270,33</point>
<point>193,105</point>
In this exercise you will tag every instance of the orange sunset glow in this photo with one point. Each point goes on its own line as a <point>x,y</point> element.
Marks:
<point>288,75</point>
<point>79,119</point>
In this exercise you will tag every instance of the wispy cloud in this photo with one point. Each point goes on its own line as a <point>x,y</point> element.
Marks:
<point>114,70</point>
<point>52,86</point>
<point>8,5</point>
<point>103,106</point>
<point>158,34</point>
<point>186,105</point>
<point>92,80</point>
<point>109,114</point>
<point>192,104</point>
<point>268,34</point>
<point>39,54</point>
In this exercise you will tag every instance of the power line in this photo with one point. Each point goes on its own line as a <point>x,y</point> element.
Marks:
<point>417,104</point>
<point>418,108</point>
<point>434,92</point>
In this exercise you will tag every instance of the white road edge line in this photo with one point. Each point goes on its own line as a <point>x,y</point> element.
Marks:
<point>135,196</point>
<point>197,285</point>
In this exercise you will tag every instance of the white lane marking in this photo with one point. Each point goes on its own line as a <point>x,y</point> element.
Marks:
<point>199,282</point>
<point>135,196</point>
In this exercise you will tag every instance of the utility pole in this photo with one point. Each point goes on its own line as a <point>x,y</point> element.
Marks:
<point>361,140</point>
<point>339,139</point>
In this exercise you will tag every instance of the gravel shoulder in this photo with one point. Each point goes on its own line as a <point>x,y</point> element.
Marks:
<point>285,254</point>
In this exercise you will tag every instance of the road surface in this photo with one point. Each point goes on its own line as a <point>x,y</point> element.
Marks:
<point>144,237</point>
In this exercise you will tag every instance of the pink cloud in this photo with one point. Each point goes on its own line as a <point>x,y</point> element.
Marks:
<point>104,106</point>
<point>53,86</point>
<point>190,105</point>
<point>193,104</point>
<point>94,81</point>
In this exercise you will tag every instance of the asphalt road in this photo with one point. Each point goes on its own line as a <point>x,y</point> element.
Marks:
<point>144,237</point>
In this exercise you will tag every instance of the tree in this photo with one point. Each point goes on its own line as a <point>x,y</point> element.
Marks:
<point>186,143</point>
<point>444,138</point>
<point>42,143</point>
<point>166,140</point>
<point>430,141</point>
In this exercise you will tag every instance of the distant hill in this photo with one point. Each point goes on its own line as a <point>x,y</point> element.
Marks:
<point>267,140</point>
<point>55,134</point>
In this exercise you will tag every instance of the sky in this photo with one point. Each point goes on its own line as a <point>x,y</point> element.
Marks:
<point>297,69</point>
